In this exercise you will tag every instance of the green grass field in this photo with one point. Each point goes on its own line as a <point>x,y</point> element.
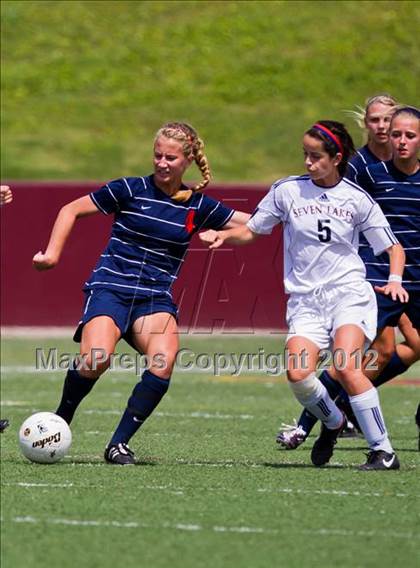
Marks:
<point>210,488</point>
<point>86,84</point>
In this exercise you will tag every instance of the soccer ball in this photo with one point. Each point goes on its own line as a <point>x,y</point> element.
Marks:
<point>44,437</point>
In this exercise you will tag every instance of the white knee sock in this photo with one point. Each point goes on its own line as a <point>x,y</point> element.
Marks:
<point>312,394</point>
<point>368,412</point>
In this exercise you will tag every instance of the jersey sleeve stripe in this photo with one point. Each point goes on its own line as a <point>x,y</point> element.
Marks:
<point>97,204</point>
<point>109,189</point>
<point>358,188</point>
<point>211,213</point>
<point>391,235</point>
<point>228,218</point>
<point>128,187</point>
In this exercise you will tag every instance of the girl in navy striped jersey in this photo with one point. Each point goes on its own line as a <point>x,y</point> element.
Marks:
<point>129,294</point>
<point>395,185</point>
<point>330,301</point>
<point>392,360</point>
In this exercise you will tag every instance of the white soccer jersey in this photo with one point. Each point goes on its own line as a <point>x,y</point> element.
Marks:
<point>321,230</point>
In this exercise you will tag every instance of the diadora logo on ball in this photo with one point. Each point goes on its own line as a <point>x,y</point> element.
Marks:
<point>53,438</point>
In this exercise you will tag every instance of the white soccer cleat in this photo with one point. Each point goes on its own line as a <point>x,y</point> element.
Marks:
<point>291,436</point>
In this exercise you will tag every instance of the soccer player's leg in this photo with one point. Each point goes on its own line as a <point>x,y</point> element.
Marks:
<point>406,353</point>
<point>303,356</point>
<point>291,436</point>
<point>388,363</point>
<point>349,342</point>
<point>156,336</point>
<point>99,337</point>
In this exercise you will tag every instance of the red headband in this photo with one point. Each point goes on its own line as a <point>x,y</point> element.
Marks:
<point>330,135</point>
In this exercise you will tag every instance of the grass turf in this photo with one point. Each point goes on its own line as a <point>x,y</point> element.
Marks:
<point>211,488</point>
<point>86,84</point>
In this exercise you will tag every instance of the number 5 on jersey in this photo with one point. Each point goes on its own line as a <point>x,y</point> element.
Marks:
<point>324,231</point>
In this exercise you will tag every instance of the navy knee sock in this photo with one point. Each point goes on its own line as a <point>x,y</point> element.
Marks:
<point>144,399</point>
<point>75,389</point>
<point>394,368</point>
<point>307,420</point>
<point>333,387</point>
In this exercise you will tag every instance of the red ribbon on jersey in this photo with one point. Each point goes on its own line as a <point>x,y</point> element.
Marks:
<point>189,221</point>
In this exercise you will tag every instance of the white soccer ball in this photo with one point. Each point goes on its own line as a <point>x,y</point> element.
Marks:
<point>44,437</point>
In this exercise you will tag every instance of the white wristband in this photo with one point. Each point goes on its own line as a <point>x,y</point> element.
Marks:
<point>395,278</point>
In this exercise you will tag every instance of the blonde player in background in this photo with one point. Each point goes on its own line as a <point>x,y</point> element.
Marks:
<point>330,299</point>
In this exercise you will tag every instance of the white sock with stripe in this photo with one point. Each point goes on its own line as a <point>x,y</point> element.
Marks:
<point>312,394</point>
<point>368,412</point>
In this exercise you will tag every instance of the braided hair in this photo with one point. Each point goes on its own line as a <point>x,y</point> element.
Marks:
<point>193,146</point>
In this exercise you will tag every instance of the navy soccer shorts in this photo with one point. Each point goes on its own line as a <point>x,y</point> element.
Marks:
<point>389,312</point>
<point>124,311</point>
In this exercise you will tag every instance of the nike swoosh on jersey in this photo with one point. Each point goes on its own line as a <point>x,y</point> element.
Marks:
<point>388,463</point>
<point>146,207</point>
<point>389,189</point>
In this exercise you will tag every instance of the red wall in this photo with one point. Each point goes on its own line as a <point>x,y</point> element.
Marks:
<point>232,288</point>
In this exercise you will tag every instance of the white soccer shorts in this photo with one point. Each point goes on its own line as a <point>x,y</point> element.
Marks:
<point>318,315</point>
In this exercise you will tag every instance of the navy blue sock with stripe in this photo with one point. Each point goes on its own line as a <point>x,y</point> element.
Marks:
<point>75,389</point>
<point>144,399</point>
<point>394,368</point>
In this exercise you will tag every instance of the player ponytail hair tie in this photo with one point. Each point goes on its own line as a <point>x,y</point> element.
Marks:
<point>330,135</point>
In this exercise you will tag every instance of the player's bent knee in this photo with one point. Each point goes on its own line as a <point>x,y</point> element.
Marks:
<point>297,375</point>
<point>163,370</point>
<point>94,363</point>
<point>349,377</point>
<point>162,364</point>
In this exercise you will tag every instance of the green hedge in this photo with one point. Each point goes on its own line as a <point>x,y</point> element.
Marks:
<point>87,84</point>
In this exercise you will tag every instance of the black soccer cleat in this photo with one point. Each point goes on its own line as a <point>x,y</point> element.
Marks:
<point>4,423</point>
<point>378,460</point>
<point>119,454</point>
<point>323,447</point>
<point>417,419</point>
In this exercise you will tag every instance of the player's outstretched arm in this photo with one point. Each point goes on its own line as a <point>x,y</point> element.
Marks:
<point>63,225</point>
<point>396,268</point>
<point>237,236</point>
<point>238,218</point>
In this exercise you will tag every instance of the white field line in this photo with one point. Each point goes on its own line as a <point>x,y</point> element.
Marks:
<point>205,415</point>
<point>27,485</point>
<point>335,492</point>
<point>226,464</point>
<point>181,490</point>
<point>325,532</point>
